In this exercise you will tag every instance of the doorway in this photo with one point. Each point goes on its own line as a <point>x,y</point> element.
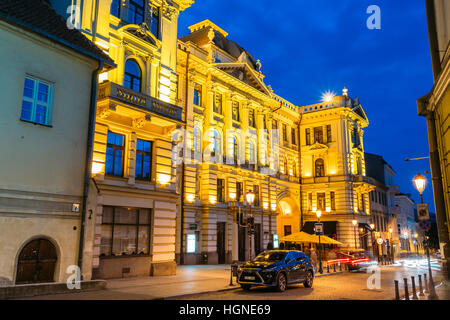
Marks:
<point>37,262</point>
<point>221,242</point>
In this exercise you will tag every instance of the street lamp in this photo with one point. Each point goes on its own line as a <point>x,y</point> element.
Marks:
<point>420,182</point>
<point>319,214</point>
<point>372,229</point>
<point>355,222</point>
<point>250,199</point>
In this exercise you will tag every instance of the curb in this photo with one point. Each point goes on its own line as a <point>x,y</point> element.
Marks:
<point>235,287</point>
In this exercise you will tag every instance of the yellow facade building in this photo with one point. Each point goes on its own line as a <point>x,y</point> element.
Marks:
<point>242,138</point>
<point>132,223</point>
<point>435,106</point>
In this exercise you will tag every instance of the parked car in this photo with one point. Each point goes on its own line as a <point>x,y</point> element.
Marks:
<point>277,268</point>
<point>355,259</point>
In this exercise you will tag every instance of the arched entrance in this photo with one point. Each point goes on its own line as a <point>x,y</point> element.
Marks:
<point>288,216</point>
<point>37,262</point>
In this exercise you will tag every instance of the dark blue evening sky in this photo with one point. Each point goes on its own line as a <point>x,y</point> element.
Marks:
<point>308,47</point>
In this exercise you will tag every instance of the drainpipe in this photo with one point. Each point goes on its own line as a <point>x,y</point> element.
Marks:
<point>300,170</point>
<point>88,161</point>
<point>183,172</point>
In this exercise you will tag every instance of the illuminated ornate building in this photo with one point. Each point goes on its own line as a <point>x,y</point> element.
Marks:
<point>333,171</point>
<point>130,228</point>
<point>231,115</point>
<point>228,107</point>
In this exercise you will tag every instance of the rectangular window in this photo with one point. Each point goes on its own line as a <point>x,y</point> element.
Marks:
<point>218,103</point>
<point>332,200</point>
<point>143,160</point>
<point>251,118</point>
<point>318,135</point>
<point>321,201</point>
<point>308,136</point>
<point>236,111</point>
<point>287,230</point>
<point>115,8</point>
<point>197,95</point>
<point>329,133</point>
<point>238,191</point>
<point>37,101</point>
<point>274,125</point>
<point>256,192</point>
<point>114,154</point>
<point>155,22</point>
<point>220,190</point>
<point>285,137</point>
<point>136,11</point>
<point>293,136</point>
<point>125,231</point>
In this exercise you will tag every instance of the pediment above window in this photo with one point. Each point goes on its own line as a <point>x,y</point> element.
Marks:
<point>143,32</point>
<point>317,148</point>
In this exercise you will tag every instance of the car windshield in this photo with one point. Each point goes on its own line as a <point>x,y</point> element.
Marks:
<point>270,256</point>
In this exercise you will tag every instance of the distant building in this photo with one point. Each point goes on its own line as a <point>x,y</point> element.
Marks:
<point>384,210</point>
<point>46,116</point>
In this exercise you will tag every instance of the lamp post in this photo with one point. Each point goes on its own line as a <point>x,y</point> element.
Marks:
<point>372,229</point>
<point>250,199</point>
<point>319,214</point>
<point>391,246</point>
<point>355,222</point>
<point>420,182</point>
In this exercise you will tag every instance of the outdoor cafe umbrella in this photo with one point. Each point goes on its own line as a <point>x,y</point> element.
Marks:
<point>298,237</point>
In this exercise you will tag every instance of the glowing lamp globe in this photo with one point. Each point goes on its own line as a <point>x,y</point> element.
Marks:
<point>420,182</point>
<point>354,221</point>
<point>250,198</point>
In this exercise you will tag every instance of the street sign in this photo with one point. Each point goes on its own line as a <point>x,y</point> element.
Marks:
<point>423,212</point>
<point>425,225</point>
<point>318,228</point>
<point>380,240</point>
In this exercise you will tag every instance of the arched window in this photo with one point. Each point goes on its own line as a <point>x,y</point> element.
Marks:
<point>320,168</point>
<point>197,140</point>
<point>133,76</point>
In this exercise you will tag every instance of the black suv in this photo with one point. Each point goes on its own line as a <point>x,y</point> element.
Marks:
<point>277,268</point>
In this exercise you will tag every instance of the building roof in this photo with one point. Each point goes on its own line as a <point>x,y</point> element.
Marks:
<point>199,36</point>
<point>375,166</point>
<point>39,17</point>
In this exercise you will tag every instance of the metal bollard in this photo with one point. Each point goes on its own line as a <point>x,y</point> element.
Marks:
<point>334,267</point>
<point>340,266</point>
<point>406,288</point>
<point>231,276</point>
<point>413,281</point>
<point>328,268</point>
<point>397,294</point>
<point>421,294</point>
<point>426,283</point>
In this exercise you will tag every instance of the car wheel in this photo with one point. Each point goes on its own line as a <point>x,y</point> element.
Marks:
<point>308,283</point>
<point>281,282</point>
<point>245,287</point>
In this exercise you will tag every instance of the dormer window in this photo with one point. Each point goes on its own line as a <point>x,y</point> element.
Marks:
<point>136,11</point>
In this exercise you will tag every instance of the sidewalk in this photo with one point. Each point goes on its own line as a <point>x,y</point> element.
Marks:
<point>189,280</point>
